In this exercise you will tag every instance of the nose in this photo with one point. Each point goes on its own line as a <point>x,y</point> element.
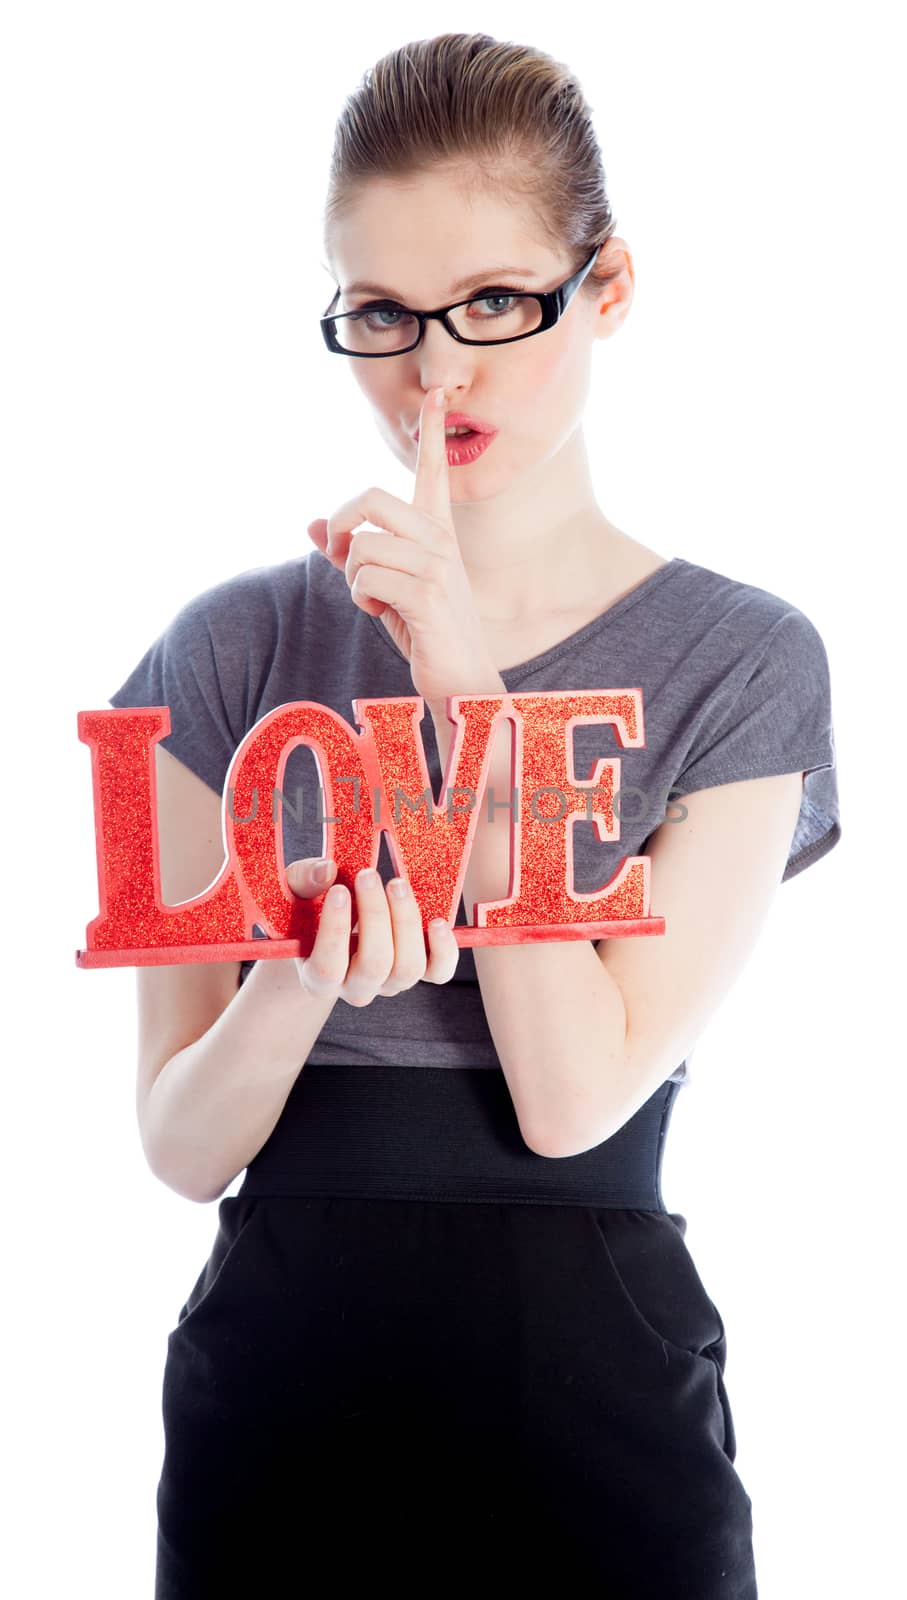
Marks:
<point>443,361</point>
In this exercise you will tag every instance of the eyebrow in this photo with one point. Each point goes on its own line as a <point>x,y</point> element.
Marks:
<point>474,281</point>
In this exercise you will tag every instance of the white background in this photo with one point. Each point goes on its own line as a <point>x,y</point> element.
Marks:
<point>170,417</point>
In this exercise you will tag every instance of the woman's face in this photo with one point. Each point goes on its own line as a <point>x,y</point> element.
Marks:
<point>413,242</point>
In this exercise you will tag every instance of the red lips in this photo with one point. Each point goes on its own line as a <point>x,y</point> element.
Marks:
<point>459,419</point>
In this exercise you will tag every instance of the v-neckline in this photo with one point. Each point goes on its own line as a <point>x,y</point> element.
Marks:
<point>512,676</point>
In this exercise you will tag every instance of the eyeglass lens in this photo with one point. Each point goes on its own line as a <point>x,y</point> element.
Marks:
<point>382,330</point>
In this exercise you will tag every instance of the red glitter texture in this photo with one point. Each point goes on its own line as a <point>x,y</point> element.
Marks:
<point>429,845</point>
<point>132,913</point>
<point>543,855</point>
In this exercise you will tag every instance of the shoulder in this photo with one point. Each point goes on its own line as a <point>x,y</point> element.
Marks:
<point>742,621</point>
<point>254,610</point>
<point>252,594</point>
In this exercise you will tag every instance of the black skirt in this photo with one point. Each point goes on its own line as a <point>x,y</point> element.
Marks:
<point>398,1387</point>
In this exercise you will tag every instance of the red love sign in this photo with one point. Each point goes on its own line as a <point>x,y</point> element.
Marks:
<point>359,771</point>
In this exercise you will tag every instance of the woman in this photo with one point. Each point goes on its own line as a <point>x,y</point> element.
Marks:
<point>448,1330</point>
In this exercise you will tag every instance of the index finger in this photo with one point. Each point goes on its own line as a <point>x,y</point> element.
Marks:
<point>432,488</point>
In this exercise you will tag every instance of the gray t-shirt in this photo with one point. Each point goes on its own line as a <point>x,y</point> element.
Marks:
<point>735,684</point>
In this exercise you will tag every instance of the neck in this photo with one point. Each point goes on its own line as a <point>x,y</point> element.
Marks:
<point>526,551</point>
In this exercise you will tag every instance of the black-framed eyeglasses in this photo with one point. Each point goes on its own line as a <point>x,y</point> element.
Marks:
<point>364,333</point>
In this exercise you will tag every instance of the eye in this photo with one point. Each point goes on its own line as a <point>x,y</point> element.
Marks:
<point>372,314</point>
<point>482,294</point>
<point>492,295</point>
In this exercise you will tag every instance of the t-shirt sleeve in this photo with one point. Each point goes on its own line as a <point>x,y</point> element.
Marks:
<point>773,715</point>
<point>199,668</point>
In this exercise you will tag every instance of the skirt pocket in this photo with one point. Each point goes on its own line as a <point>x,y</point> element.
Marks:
<point>659,1284</point>
<point>656,1275</point>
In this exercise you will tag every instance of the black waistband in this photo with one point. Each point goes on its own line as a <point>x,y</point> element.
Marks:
<point>445,1133</point>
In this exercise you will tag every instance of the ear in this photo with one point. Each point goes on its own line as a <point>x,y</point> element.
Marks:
<point>614,277</point>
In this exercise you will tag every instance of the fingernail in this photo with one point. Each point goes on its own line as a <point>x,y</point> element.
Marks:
<point>323,871</point>
<point>337,896</point>
<point>439,397</point>
<point>399,888</point>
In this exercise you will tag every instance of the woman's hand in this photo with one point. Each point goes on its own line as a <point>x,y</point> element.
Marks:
<point>391,953</point>
<point>411,574</point>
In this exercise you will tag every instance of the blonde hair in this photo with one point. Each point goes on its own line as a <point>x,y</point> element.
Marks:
<point>517,117</point>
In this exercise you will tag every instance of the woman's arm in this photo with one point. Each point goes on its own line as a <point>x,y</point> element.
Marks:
<point>586,1033</point>
<point>216,1060</point>
<point>214,1102</point>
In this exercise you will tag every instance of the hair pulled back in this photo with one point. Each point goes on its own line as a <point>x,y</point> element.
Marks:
<point>504,117</point>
